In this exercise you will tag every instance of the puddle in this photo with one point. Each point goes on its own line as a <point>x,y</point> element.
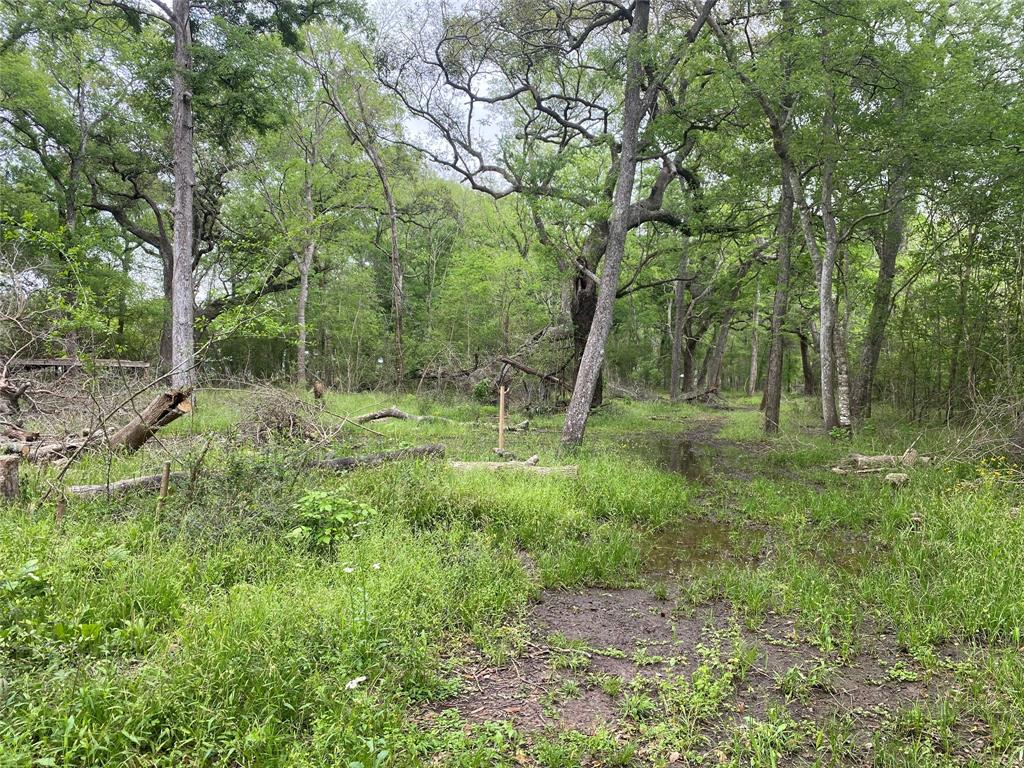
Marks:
<point>699,542</point>
<point>676,455</point>
<point>673,453</point>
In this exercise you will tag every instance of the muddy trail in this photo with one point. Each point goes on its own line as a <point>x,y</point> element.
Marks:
<point>623,659</point>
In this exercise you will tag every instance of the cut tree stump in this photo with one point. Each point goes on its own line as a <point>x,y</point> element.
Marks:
<point>897,479</point>
<point>348,463</point>
<point>144,483</point>
<point>9,476</point>
<point>162,410</point>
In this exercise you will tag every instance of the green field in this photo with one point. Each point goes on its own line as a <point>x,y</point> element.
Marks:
<point>748,607</point>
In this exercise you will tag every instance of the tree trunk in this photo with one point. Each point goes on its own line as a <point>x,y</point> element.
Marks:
<point>348,463</point>
<point>593,356</point>
<point>773,387</point>
<point>754,319</point>
<point>810,386</point>
<point>712,376</point>
<point>887,246</point>
<point>303,298</point>
<point>689,352</point>
<point>182,290</point>
<point>9,477</point>
<point>679,323</point>
<point>162,410</point>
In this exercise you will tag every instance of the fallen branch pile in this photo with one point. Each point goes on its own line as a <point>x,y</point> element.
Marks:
<point>161,411</point>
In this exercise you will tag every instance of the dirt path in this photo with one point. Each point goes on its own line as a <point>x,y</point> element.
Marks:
<point>594,656</point>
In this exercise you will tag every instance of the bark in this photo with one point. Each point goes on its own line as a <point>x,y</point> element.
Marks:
<point>182,290</point>
<point>9,485</point>
<point>349,463</point>
<point>843,381</point>
<point>887,245</point>
<point>713,374</point>
<point>387,413</point>
<point>689,353</point>
<point>773,386</point>
<point>810,380</point>
<point>161,411</point>
<point>582,308</point>
<point>303,298</point>
<point>679,323</point>
<point>593,356</point>
<point>754,342</point>
<point>144,483</point>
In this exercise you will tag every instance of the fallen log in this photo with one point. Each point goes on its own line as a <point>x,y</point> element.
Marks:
<point>386,413</point>
<point>161,411</point>
<point>909,458</point>
<point>348,463</point>
<point>18,434</point>
<point>9,476</point>
<point>57,449</point>
<point>530,465</point>
<point>144,483</point>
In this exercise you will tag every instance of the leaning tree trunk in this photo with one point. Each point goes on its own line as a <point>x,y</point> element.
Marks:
<point>713,375</point>
<point>887,246</point>
<point>593,356</point>
<point>161,411</point>
<point>773,386</point>
<point>582,308</point>
<point>182,290</point>
<point>754,319</point>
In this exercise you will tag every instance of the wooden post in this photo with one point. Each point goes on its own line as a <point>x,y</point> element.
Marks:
<point>165,480</point>
<point>501,418</point>
<point>9,477</point>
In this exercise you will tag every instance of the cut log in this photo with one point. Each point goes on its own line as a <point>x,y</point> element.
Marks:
<point>144,483</point>
<point>530,465</point>
<point>9,476</point>
<point>58,449</point>
<point>348,463</point>
<point>19,435</point>
<point>162,410</point>
<point>394,412</point>
<point>386,413</point>
<point>908,459</point>
<point>68,362</point>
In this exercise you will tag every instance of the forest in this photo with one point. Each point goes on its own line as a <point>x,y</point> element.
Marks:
<point>512,382</point>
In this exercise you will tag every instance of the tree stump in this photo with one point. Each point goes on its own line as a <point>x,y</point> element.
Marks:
<point>9,476</point>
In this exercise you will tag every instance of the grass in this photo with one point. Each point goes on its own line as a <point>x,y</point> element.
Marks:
<point>273,616</point>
